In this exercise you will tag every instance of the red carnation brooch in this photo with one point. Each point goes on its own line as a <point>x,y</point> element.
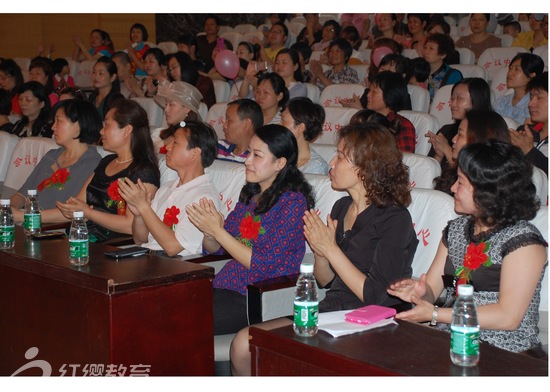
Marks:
<point>171,217</point>
<point>163,150</point>
<point>475,257</point>
<point>58,179</point>
<point>116,199</point>
<point>250,228</point>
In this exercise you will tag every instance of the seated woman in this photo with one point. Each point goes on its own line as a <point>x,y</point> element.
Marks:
<point>480,39</point>
<point>386,27</point>
<point>100,45</point>
<point>272,95</point>
<point>522,68</point>
<point>126,134</point>
<point>274,198</point>
<point>35,111</point>
<point>5,111</point>
<point>331,31</point>
<point>41,71</point>
<point>387,95</point>
<point>467,94</point>
<point>497,198</point>
<point>532,138</point>
<point>62,172</point>
<point>246,52</point>
<point>350,34</point>
<point>61,74</point>
<point>180,67</point>
<point>437,50</point>
<point>416,23</point>
<point>154,61</point>
<point>11,79</point>
<point>305,120</point>
<point>137,49</point>
<point>339,53</point>
<point>276,41</point>
<point>477,126</point>
<point>162,224</point>
<point>369,238</point>
<point>106,85</point>
<point>536,36</point>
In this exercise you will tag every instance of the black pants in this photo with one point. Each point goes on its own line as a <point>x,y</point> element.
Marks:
<point>230,314</point>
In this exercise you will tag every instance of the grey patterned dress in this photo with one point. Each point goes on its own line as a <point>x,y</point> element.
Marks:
<point>486,280</point>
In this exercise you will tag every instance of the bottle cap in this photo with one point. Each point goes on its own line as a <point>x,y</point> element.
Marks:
<point>78,214</point>
<point>4,202</point>
<point>31,192</point>
<point>306,268</point>
<point>465,289</point>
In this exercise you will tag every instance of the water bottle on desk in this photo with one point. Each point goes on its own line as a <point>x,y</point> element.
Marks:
<point>7,226</point>
<point>78,240</point>
<point>32,221</point>
<point>465,328</point>
<point>306,302</point>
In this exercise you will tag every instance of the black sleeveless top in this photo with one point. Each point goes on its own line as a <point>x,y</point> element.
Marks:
<point>97,193</point>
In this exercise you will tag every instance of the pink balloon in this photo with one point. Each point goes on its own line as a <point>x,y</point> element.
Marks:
<point>227,64</point>
<point>377,55</point>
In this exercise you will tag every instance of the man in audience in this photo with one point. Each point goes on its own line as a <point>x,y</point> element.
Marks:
<point>162,224</point>
<point>242,118</point>
<point>129,85</point>
<point>205,44</point>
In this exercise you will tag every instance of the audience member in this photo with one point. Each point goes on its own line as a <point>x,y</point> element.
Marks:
<point>304,54</point>
<point>35,111</point>
<point>277,39</point>
<point>137,49</point>
<point>416,24</point>
<point>361,22</point>
<point>532,138</point>
<point>242,118</point>
<point>275,197</point>
<point>305,120</point>
<point>161,224</point>
<point>5,111</point>
<point>477,126</point>
<point>512,28</point>
<point>246,52</point>
<point>368,239</point>
<point>313,32</point>
<point>41,71</point>
<point>61,74</point>
<point>105,83</point>
<point>126,134</point>
<point>339,53</point>
<point>522,68</point>
<point>331,31</point>
<point>386,27</point>
<point>62,172</point>
<point>350,34</point>
<point>207,42</point>
<point>419,72</point>
<point>154,62</point>
<point>480,39</point>
<point>437,48</point>
<point>129,85</point>
<point>496,198</point>
<point>71,93</point>
<point>11,79</point>
<point>389,43</point>
<point>272,95</point>
<point>100,45</point>
<point>534,37</point>
<point>466,94</point>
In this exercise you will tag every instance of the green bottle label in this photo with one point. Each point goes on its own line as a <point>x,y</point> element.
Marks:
<point>306,314</point>
<point>7,233</point>
<point>32,221</point>
<point>78,248</point>
<point>465,341</point>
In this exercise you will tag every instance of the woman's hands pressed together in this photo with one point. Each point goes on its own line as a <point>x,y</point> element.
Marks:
<point>206,217</point>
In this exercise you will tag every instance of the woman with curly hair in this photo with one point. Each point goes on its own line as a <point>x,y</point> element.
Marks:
<point>264,233</point>
<point>368,239</point>
<point>497,198</point>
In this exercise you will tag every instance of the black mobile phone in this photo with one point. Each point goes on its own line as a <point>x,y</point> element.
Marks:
<point>132,251</point>
<point>47,235</point>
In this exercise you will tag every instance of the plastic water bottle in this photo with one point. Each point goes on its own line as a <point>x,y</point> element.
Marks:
<point>32,214</point>
<point>306,302</point>
<point>7,226</point>
<point>78,240</point>
<point>465,329</point>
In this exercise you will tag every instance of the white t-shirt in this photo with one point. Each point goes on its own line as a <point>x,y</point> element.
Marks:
<point>170,195</point>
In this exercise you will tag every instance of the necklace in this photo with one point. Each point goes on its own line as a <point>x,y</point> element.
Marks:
<point>121,162</point>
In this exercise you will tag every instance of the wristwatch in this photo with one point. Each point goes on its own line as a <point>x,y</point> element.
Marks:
<point>433,323</point>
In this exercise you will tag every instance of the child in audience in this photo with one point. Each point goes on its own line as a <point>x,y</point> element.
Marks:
<point>62,75</point>
<point>512,28</point>
<point>419,71</point>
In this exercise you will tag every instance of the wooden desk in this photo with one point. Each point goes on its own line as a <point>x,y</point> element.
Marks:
<point>146,310</point>
<point>404,349</point>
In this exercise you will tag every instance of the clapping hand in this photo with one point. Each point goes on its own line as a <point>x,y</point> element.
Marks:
<point>73,204</point>
<point>135,195</point>
<point>205,216</point>
<point>319,236</point>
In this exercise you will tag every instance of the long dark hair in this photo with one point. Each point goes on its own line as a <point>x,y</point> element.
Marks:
<point>114,94</point>
<point>295,61</point>
<point>10,68</point>
<point>128,112</point>
<point>282,144</point>
<point>501,176</point>
<point>41,126</point>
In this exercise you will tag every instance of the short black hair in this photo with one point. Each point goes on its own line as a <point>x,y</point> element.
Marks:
<point>203,136</point>
<point>344,45</point>
<point>420,69</point>
<point>249,109</point>
<point>394,90</point>
<point>539,82</point>
<point>144,33</point>
<point>87,116</point>
<point>304,49</point>
<point>278,84</point>
<point>445,44</point>
<point>304,111</point>
<point>58,65</point>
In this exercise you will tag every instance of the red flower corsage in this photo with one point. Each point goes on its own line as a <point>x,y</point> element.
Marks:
<point>475,257</point>
<point>250,228</point>
<point>116,199</point>
<point>58,179</point>
<point>171,217</point>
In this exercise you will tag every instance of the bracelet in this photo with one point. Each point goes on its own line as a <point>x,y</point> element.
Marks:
<point>433,323</point>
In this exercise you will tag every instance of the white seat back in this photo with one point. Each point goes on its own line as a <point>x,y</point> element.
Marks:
<point>499,85</point>
<point>168,47</point>
<point>423,122</point>
<point>223,29</point>
<point>540,179</point>
<point>335,118</point>
<point>505,40</point>
<point>25,156</point>
<point>232,37</point>
<point>313,92</point>
<point>228,178</point>
<point>216,117</point>
<point>316,55</point>
<point>155,113</point>
<point>440,107</point>
<point>361,69</point>
<point>203,110</point>
<point>467,56</point>
<point>410,53</point>
<point>327,151</point>
<point>253,36</point>
<point>295,27</point>
<point>422,170</point>
<point>83,77</point>
<point>542,52</point>
<point>222,90</point>
<point>464,26</point>
<point>471,71</point>
<point>331,95</point>
<point>7,144</point>
<point>493,59</point>
<point>430,211</point>
<point>420,98</point>
<point>244,28</point>
<point>234,92</point>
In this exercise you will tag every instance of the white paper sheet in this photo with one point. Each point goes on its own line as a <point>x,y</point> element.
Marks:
<point>335,324</point>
